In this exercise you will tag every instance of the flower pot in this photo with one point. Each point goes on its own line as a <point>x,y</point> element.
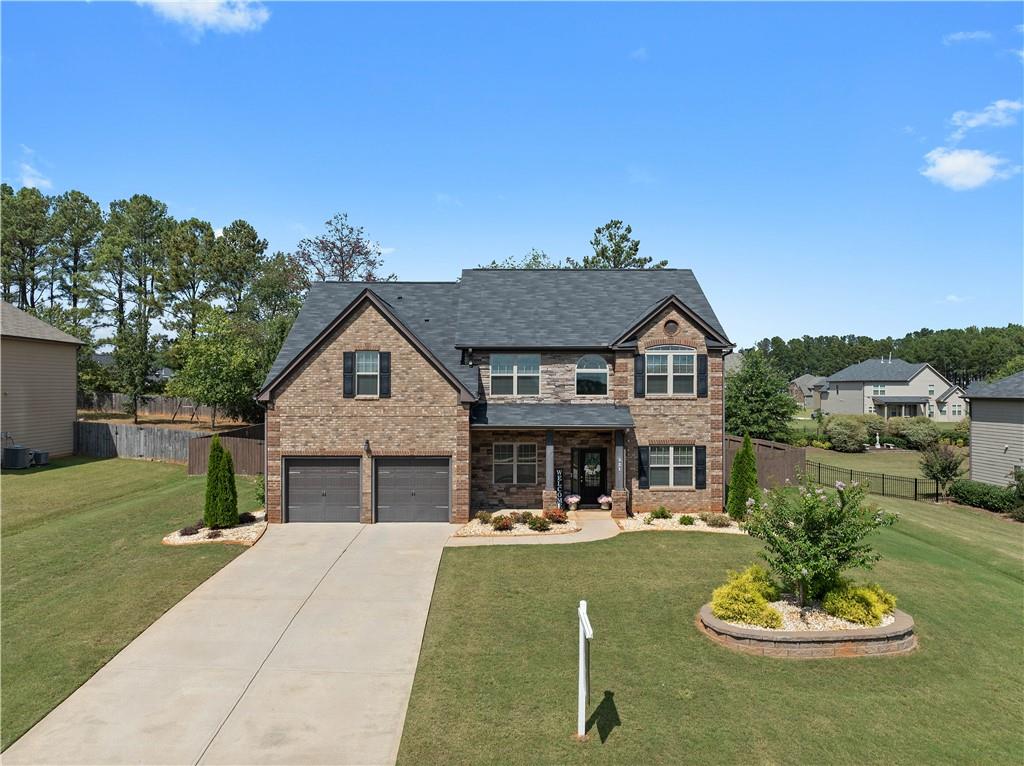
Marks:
<point>573,506</point>
<point>606,506</point>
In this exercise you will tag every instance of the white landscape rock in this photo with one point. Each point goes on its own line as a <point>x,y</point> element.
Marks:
<point>636,523</point>
<point>243,534</point>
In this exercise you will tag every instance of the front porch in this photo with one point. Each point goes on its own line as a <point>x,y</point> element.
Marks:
<point>899,406</point>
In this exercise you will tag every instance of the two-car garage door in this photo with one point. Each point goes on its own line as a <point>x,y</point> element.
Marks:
<point>328,489</point>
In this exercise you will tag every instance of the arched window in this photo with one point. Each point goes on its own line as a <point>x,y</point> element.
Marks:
<point>591,376</point>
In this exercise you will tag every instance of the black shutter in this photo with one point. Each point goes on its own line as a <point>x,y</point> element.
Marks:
<point>638,376</point>
<point>702,375</point>
<point>643,459</point>
<point>700,467</point>
<point>349,374</point>
<point>385,374</point>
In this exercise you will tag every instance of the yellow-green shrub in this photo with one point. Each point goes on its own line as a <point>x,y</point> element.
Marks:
<point>863,604</point>
<point>744,598</point>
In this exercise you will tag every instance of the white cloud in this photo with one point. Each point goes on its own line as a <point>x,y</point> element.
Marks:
<point>998,114</point>
<point>218,233</point>
<point>966,37</point>
<point>954,298</point>
<point>213,15</point>
<point>29,176</point>
<point>639,54</point>
<point>964,169</point>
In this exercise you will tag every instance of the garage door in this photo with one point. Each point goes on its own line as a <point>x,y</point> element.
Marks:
<point>322,489</point>
<point>412,489</point>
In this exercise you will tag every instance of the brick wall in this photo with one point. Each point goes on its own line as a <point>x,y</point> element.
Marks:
<point>423,416</point>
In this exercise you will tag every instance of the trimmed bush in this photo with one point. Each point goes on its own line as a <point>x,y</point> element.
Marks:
<point>981,495</point>
<point>686,520</point>
<point>661,513</point>
<point>260,490</point>
<point>483,517</point>
<point>557,516</point>
<point>716,520</point>
<point>502,523</point>
<point>221,507</point>
<point>246,518</point>
<point>188,531</point>
<point>648,519</point>
<point>862,604</point>
<point>213,534</point>
<point>742,481</point>
<point>539,523</point>
<point>847,434</point>
<point>821,444</point>
<point>525,517</point>
<point>917,433</point>
<point>745,598</point>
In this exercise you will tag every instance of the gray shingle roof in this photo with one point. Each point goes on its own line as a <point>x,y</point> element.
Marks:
<point>879,371</point>
<point>16,323</point>
<point>947,393</point>
<point>569,308</point>
<point>1011,387</point>
<point>806,383</point>
<point>491,415</point>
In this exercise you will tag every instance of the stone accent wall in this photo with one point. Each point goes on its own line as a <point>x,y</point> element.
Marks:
<point>423,416</point>
<point>557,378</point>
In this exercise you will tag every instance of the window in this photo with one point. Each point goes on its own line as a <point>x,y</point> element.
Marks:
<point>671,370</point>
<point>878,389</point>
<point>591,376</point>
<point>515,374</point>
<point>931,389</point>
<point>957,410</point>
<point>671,467</point>
<point>931,411</point>
<point>515,463</point>
<point>367,373</point>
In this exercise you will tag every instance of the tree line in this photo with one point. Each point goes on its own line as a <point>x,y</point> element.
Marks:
<point>961,355</point>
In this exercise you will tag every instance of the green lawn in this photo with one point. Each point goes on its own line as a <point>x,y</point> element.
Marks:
<point>84,571</point>
<point>892,462</point>
<point>496,681</point>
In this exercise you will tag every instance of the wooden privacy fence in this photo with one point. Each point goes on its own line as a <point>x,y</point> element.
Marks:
<point>776,462</point>
<point>244,444</point>
<point>887,485</point>
<point>150,405</point>
<point>130,441</point>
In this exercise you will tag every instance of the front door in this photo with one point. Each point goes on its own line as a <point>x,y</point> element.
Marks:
<point>592,475</point>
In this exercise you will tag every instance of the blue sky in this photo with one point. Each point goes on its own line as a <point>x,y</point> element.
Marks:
<point>822,168</point>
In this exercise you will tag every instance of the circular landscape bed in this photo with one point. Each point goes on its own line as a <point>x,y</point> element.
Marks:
<point>893,637</point>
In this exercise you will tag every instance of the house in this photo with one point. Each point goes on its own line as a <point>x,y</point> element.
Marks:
<point>997,428</point>
<point>892,388</point>
<point>38,378</point>
<point>506,389</point>
<point>805,390</point>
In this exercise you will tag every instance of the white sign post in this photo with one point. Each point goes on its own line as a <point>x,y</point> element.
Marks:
<point>586,634</point>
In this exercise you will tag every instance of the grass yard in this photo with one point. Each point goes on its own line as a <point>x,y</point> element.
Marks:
<point>496,681</point>
<point>892,462</point>
<point>84,571</point>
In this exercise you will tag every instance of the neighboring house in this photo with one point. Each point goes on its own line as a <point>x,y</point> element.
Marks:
<point>428,401</point>
<point>997,428</point>
<point>160,375</point>
<point>892,388</point>
<point>733,362</point>
<point>806,392</point>
<point>38,378</point>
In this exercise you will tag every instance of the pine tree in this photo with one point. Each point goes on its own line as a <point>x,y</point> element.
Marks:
<point>742,480</point>
<point>221,508</point>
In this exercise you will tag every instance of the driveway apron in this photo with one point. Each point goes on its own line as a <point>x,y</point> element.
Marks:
<point>300,651</point>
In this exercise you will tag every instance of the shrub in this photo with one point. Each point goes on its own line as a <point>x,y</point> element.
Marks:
<point>246,518</point>
<point>260,490</point>
<point>981,495</point>
<point>812,536</point>
<point>661,512</point>
<point>897,441</point>
<point>502,523</point>
<point>716,520</point>
<point>873,424</point>
<point>922,433</point>
<point>846,434</point>
<point>648,519</point>
<point>745,598</point>
<point>515,516</point>
<point>525,517</point>
<point>221,507</point>
<point>686,520</point>
<point>188,531</point>
<point>213,534</point>
<point>539,523</point>
<point>557,516</point>
<point>742,480</point>
<point>863,604</point>
<point>799,440</point>
<point>961,432</point>
<point>942,465</point>
<point>483,517</point>
<point>821,444</point>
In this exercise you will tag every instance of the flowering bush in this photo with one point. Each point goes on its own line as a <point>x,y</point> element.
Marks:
<point>502,523</point>
<point>572,499</point>
<point>604,500</point>
<point>556,516</point>
<point>812,536</point>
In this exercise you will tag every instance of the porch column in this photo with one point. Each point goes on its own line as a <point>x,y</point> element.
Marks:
<point>620,461</point>
<point>549,498</point>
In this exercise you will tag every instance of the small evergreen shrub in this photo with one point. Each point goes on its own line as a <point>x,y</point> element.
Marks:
<point>981,495</point>
<point>502,523</point>
<point>661,512</point>
<point>483,517</point>
<point>716,520</point>
<point>686,520</point>
<point>745,598</point>
<point>539,523</point>
<point>188,531</point>
<point>648,519</point>
<point>847,434</point>
<point>260,490</point>
<point>862,604</point>
<point>246,518</point>
<point>221,507</point>
<point>742,480</point>
<point>557,516</point>
<point>213,534</point>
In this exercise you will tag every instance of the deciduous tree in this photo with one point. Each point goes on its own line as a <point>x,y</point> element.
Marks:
<point>757,400</point>
<point>343,252</point>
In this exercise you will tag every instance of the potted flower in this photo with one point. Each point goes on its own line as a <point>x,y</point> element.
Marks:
<point>572,501</point>
<point>606,502</point>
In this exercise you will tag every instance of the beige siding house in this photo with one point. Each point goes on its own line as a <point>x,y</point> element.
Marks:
<point>997,429</point>
<point>38,377</point>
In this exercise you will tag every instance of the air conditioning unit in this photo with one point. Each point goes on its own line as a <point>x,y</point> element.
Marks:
<point>17,457</point>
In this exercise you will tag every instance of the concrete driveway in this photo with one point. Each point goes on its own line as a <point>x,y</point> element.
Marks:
<point>300,651</point>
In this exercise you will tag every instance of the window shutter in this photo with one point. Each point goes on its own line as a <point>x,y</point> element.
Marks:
<point>638,376</point>
<point>385,374</point>
<point>700,467</point>
<point>349,374</point>
<point>643,459</point>
<point>702,375</point>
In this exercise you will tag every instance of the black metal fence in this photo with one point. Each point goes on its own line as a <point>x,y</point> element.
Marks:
<point>884,484</point>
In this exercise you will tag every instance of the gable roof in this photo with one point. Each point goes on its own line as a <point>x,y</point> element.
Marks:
<point>570,308</point>
<point>15,323</point>
<point>1010,387</point>
<point>420,310</point>
<point>807,382</point>
<point>878,371</point>
<point>948,393</point>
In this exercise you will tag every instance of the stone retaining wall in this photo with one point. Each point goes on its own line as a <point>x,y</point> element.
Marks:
<point>896,638</point>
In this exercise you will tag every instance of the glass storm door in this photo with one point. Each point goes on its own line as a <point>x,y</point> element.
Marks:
<point>592,475</point>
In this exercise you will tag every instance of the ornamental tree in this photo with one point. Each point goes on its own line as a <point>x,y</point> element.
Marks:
<point>757,400</point>
<point>742,481</point>
<point>943,465</point>
<point>221,506</point>
<point>811,536</point>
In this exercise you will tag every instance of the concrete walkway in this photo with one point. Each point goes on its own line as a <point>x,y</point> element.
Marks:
<point>594,525</point>
<point>300,651</point>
